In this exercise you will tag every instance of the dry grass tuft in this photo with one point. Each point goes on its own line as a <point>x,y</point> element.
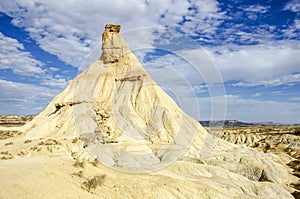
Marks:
<point>93,183</point>
<point>4,152</point>
<point>5,155</point>
<point>49,142</point>
<point>79,174</point>
<point>8,143</point>
<point>75,140</point>
<point>27,141</point>
<point>78,164</point>
<point>95,162</point>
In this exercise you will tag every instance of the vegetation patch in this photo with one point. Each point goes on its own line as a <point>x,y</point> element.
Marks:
<point>79,174</point>
<point>8,143</point>
<point>93,183</point>
<point>4,134</point>
<point>27,141</point>
<point>78,164</point>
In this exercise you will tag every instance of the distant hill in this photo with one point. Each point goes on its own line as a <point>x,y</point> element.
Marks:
<point>236,123</point>
<point>15,120</point>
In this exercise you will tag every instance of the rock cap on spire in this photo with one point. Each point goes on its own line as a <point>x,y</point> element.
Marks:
<point>113,45</point>
<point>112,28</point>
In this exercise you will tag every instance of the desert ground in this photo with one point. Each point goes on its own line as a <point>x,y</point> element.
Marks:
<point>53,168</point>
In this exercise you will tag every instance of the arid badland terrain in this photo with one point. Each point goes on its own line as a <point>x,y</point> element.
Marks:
<point>113,133</point>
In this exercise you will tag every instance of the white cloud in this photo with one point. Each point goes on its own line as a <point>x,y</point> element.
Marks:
<point>173,70</point>
<point>20,98</point>
<point>293,30</point>
<point>256,8</point>
<point>287,79</point>
<point>13,56</point>
<point>202,65</point>
<point>55,82</point>
<point>203,17</point>
<point>237,32</point>
<point>270,64</point>
<point>256,95</point>
<point>201,88</point>
<point>253,110</point>
<point>53,69</point>
<point>244,109</point>
<point>294,99</point>
<point>253,11</point>
<point>293,5</point>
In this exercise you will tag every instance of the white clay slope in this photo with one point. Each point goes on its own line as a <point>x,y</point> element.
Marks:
<point>128,122</point>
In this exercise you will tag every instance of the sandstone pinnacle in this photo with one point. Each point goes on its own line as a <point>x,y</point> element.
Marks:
<point>113,45</point>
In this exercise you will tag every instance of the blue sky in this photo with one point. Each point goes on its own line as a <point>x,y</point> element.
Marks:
<point>251,47</point>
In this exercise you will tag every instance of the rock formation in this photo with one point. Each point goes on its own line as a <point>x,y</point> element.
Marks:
<point>13,120</point>
<point>128,122</point>
<point>113,46</point>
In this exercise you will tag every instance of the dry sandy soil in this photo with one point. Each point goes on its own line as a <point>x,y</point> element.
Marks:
<point>45,168</point>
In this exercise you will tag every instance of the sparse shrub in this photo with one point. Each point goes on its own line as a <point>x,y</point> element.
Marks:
<point>78,164</point>
<point>268,129</point>
<point>27,141</point>
<point>95,162</point>
<point>75,140</point>
<point>7,157</point>
<point>79,174</point>
<point>297,131</point>
<point>93,183</point>
<point>22,152</point>
<point>50,149</point>
<point>34,148</point>
<point>4,134</point>
<point>49,142</point>
<point>8,143</point>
